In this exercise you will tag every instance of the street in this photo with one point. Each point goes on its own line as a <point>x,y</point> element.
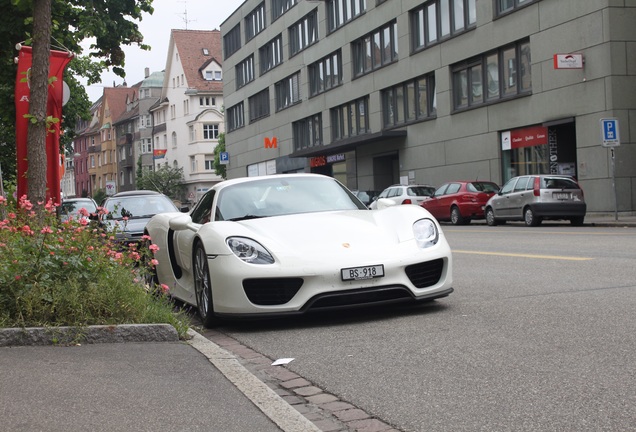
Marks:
<point>539,335</point>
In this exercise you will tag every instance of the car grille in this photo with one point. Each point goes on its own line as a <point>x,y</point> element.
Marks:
<point>425,274</point>
<point>359,297</point>
<point>271,291</point>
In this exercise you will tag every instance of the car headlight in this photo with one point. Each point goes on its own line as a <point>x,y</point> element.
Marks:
<point>249,251</point>
<point>426,233</point>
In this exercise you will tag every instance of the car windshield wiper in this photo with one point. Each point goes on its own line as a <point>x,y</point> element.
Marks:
<point>248,216</point>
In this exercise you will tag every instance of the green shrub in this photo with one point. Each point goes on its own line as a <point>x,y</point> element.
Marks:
<point>70,273</point>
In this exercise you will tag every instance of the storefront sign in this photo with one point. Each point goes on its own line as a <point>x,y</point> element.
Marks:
<point>526,137</point>
<point>317,161</point>
<point>336,158</point>
<point>554,152</point>
<point>568,61</point>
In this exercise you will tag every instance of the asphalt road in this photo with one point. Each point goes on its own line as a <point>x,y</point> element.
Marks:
<point>539,335</point>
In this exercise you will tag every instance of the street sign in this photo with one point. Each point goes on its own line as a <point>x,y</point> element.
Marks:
<point>224,158</point>
<point>610,136</point>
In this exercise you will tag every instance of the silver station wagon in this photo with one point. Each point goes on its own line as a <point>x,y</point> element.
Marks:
<point>534,198</point>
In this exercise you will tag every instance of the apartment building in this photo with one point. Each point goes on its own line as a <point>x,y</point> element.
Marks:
<point>86,144</point>
<point>188,118</point>
<point>377,92</point>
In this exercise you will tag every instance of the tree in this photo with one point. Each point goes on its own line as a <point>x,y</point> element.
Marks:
<point>168,181</point>
<point>218,166</point>
<point>68,22</point>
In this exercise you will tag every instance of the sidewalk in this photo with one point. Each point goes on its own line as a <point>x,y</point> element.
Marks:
<point>155,384</point>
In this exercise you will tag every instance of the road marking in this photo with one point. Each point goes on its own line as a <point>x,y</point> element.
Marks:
<point>553,257</point>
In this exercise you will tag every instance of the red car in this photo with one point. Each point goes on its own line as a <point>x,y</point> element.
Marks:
<point>460,201</point>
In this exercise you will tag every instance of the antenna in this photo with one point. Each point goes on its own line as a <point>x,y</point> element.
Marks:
<point>185,13</point>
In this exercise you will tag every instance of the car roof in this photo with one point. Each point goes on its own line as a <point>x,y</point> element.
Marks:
<point>136,193</point>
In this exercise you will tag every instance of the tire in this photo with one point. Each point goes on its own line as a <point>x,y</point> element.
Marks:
<point>530,218</point>
<point>203,287</point>
<point>456,217</point>
<point>490,217</point>
<point>577,221</point>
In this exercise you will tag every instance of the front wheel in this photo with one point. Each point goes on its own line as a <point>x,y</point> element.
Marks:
<point>490,217</point>
<point>203,287</point>
<point>530,218</point>
<point>577,221</point>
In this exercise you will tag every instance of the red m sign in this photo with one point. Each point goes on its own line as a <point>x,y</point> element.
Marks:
<point>273,143</point>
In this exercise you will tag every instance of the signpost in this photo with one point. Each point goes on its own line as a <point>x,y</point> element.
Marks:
<point>610,138</point>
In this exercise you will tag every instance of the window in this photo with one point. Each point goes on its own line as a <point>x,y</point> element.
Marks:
<point>186,107</point>
<point>232,41</point>
<point>410,101</point>
<point>441,19</point>
<point>303,33</point>
<point>326,73</point>
<point>235,117</point>
<point>505,6</point>
<point>255,22</point>
<point>307,132</point>
<point>208,75</point>
<point>287,91</point>
<point>244,71</point>
<point>146,145</point>
<point>259,105</point>
<point>193,135</point>
<point>271,54</point>
<point>340,12</point>
<point>217,75</point>
<point>350,119</point>
<point>206,101</point>
<point>209,163</point>
<point>174,139</point>
<point>494,76</point>
<point>375,50</point>
<point>279,7</point>
<point>210,131</point>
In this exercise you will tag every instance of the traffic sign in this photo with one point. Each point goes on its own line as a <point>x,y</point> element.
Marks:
<point>224,158</point>
<point>610,136</point>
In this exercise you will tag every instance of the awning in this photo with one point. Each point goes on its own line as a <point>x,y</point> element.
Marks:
<point>348,144</point>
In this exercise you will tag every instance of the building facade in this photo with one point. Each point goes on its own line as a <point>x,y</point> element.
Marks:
<point>188,118</point>
<point>377,92</point>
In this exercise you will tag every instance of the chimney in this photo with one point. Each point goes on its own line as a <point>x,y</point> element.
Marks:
<point>146,72</point>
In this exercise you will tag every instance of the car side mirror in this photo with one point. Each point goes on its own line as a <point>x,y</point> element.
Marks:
<point>184,209</point>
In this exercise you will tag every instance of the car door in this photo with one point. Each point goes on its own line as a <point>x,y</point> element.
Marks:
<point>520,196</point>
<point>446,201</point>
<point>433,203</point>
<point>502,204</point>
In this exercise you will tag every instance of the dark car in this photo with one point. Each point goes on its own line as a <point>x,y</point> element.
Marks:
<point>129,212</point>
<point>533,198</point>
<point>460,201</point>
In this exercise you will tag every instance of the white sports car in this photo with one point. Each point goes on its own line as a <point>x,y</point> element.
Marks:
<point>292,243</point>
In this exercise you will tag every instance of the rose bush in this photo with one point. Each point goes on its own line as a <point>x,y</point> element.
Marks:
<point>71,273</point>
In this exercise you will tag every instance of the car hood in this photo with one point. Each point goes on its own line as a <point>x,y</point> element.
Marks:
<point>326,235</point>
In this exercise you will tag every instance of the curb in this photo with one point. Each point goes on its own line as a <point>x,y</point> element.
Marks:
<point>41,336</point>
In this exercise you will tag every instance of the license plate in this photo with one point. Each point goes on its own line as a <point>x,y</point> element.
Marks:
<point>364,272</point>
<point>561,195</point>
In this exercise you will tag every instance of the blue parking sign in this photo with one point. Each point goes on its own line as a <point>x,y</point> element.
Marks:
<point>610,136</point>
<point>224,158</point>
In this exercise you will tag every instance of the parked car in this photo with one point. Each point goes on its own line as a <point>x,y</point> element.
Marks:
<point>405,194</point>
<point>288,244</point>
<point>533,198</point>
<point>460,201</point>
<point>367,197</point>
<point>71,208</point>
<point>129,212</point>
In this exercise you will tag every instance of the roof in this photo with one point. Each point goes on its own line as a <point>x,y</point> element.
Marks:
<point>154,80</point>
<point>190,45</point>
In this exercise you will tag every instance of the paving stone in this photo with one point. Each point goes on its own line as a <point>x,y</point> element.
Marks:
<point>369,425</point>
<point>292,400</point>
<point>307,391</point>
<point>297,382</point>
<point>328,425</point>
<point>322,398</point>
<point>351,414</point>
<point>336,406</point>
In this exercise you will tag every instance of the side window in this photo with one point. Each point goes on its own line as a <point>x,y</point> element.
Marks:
<point>384,194</point>
<point>440,190</point>
<point>201,213</point>
<point>509,186</point>
<point>522,184</point>
<point>394,192</point>
<point>453,188</point>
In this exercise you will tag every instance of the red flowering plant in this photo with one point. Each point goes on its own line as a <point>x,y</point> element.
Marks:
<point>70,273</point>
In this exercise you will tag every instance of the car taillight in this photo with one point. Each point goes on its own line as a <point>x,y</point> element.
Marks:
<point>407,201</point>
<point>537,186</point>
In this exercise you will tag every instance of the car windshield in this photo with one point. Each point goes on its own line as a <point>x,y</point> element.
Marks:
<point>283,196</point>
<point>559,183</point>
<point>73,207</point>
<point>139,206</point>
<point>420,191</point>
<point>483,187</point>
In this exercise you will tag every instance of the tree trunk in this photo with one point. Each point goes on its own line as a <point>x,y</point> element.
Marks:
<point>39,85</point>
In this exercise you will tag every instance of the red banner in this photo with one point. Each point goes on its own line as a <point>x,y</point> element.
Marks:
<point>58,61</point>
<point>529,137</point>
<point>159,153</point>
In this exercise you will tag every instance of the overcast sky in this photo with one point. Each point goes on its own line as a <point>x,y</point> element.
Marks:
<point>168,15</point>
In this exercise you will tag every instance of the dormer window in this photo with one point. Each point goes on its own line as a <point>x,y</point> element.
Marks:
<point>213,75</point>
<point>206,52</point>
<point>208,75</point>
